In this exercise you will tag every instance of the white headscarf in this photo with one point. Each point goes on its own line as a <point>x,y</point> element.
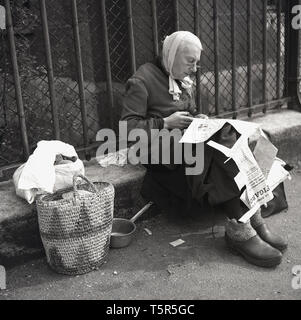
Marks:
<point>170,47</point>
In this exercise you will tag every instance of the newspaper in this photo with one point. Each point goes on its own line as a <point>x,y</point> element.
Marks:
<point>265,153</point>
<point>201,130</point>
<point>277,174</point>
<point>257,190</point>
<point>260,172</point>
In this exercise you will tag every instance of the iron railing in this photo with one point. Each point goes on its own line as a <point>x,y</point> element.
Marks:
<point>63,64</point>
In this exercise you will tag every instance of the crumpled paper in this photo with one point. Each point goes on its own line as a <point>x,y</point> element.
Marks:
<point>118,158</point>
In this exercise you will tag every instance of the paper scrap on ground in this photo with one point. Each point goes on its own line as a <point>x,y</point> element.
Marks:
<point>177,243</point>
<point>148,231</point>
<point>2,18</point>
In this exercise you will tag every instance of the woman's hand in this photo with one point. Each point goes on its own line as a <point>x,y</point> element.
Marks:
<point>179,119</point>
<point>201,116</point>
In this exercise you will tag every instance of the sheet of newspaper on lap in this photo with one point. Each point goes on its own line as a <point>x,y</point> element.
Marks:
<point>259,181</point>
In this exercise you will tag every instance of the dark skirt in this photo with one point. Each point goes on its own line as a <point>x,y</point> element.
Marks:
<point>173,190</point>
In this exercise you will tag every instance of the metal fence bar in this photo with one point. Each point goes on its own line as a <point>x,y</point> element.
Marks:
<point>131,35</point>
<point>197,32</point>
<point>16,75</point>
<point>55,115</point>
<point>155,27</point>
<point>177,15</point>
<point>107,60</point>
<point>264,56</point>
<point>278,47</point>
<point>250,50</point>
<point>287,27</point>
<point>80,74</point>
<point>294,61</point>
<point>216,55</point>
<point>233,48</point>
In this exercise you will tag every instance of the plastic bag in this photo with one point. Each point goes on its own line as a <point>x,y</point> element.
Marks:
<point>28,195</point>
<point>40,174</point>
<point>64,174</point>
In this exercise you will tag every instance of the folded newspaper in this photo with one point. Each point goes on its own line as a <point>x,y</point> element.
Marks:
<point>260,172</point>
<point>200,130</point>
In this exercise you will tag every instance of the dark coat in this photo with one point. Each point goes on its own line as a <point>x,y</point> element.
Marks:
<point>145,104</point>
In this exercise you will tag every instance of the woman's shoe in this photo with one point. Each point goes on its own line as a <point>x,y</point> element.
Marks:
<point>243,239</point>
<point>259,224</point>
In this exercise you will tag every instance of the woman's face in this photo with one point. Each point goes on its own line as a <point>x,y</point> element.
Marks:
<point>186,59</point>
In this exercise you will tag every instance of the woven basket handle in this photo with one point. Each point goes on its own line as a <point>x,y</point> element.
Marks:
<point>77,176</point>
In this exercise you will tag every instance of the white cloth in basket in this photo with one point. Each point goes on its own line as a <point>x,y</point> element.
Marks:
<point>39,170</point>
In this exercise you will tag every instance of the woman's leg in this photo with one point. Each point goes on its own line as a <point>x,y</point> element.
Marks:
<point>234,208</point>
<point>260,226</point>
<point>241,237</point>
<point>168,189</point>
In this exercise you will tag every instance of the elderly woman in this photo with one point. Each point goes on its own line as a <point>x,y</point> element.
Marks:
<point>162,95</point>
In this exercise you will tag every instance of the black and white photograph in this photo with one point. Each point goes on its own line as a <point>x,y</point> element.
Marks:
<point>150,153</point>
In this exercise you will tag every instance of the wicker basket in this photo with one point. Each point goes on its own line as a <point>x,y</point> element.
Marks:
<point>76,231</point>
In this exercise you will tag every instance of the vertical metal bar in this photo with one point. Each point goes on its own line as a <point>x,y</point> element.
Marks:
<point>233,48</point>
<point>287,47</point>
<point>216,55</point>
<point>80,74</point>
<point>107,60</point>
<point>155,27</point>
<point>196,18</point>
<point>294,61</point>
<point>250,51</point>
<point>278,48</point>
<point>131,35</point>
<point>55,115</point>
<point>264,57</point>
<point>197,33</point>
<point>177,16</point>
<point>18,91</point>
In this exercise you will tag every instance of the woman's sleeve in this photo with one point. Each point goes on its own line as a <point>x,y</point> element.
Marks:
<point>134,108</point>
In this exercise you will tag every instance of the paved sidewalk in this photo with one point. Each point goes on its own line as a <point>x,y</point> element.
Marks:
<point>150,268</point>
